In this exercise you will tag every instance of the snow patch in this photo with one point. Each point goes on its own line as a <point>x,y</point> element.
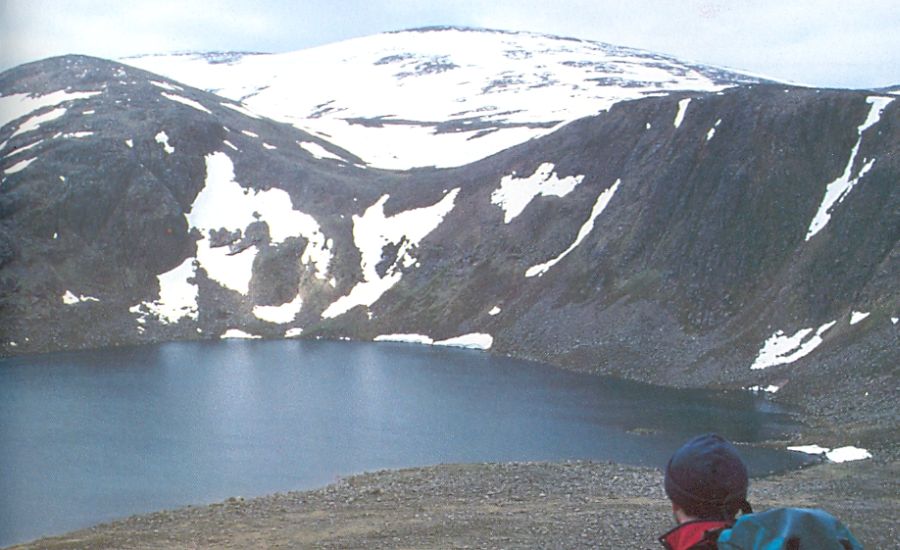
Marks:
<point>232,271</point>
<point>19,166</point>
<point>224,204</point>
<point>780,349</point>
<point>281,314</point>
<point>318,151</point>
<point>186,101</point>
<point>586,228</point>
<point>24,148</point>
<point>496,310</point>
<point>895,320</point>
<point>16,106</point>
<point>405,338</point>
<point>249,134</point>
<point>515,194</point>
<point>237,333</point>
<point>164,140</point>
<point>764,389</point>
<point>475,340</point>
<point>35,122</point>
<point>838,190</point>
<point>69,298</point>
<point>809,449</point>
<point>682,109</point>
<point>269,147</point>
<point>129,143</point>
<point>177,296</point>
<point>228,143</point>
<point>857,316</point>
<point>167,86</point>
<point>372,232</point>
<point>841,454</point>
<point>293,332</point>
<point>712,131</point>
<point>848,454</point>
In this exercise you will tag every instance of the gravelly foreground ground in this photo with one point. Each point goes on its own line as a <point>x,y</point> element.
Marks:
<point>519,505</point>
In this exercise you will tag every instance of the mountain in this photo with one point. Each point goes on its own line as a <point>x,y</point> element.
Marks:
<point>440,96</point>
<point>735,238</point>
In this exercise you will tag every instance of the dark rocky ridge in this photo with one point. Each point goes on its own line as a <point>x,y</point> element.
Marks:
<point>699,258</point>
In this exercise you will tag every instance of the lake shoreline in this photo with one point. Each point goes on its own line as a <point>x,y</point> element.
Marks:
<point>577,504</point>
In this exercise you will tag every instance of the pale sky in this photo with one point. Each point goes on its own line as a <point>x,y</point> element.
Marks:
<point>841,43</point>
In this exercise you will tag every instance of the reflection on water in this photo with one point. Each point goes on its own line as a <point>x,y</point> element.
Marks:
<point>92,436</point>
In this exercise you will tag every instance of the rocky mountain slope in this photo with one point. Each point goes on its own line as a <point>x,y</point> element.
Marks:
<point>740,237</point>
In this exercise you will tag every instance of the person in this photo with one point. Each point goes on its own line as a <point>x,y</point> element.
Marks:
<point>706,481</point>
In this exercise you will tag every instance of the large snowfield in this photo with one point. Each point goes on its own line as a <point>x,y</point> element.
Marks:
<point>496,89</point>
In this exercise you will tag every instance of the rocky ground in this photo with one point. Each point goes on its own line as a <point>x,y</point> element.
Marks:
<point>518,505</point>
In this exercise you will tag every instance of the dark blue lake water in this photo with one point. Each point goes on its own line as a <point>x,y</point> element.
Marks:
<point>87,437</point>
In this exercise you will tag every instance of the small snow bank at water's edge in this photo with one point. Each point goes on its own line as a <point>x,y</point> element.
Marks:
<point>840,454</point>
<point>475,340</point>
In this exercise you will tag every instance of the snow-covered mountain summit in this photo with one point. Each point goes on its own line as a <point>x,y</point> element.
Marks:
<point>440,96</point>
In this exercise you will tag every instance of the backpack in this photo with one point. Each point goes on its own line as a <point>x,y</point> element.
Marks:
<point>788,529</point>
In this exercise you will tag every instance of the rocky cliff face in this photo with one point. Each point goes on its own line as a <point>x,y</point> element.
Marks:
<point>745,237</point>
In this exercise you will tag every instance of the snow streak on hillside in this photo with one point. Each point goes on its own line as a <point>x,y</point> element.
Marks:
<point>440,96</point>
<point>586,228</point>
<point>839,188</point>
<point>372,232</point>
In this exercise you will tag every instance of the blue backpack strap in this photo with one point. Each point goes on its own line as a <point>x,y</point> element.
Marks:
<point>788,529</point>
